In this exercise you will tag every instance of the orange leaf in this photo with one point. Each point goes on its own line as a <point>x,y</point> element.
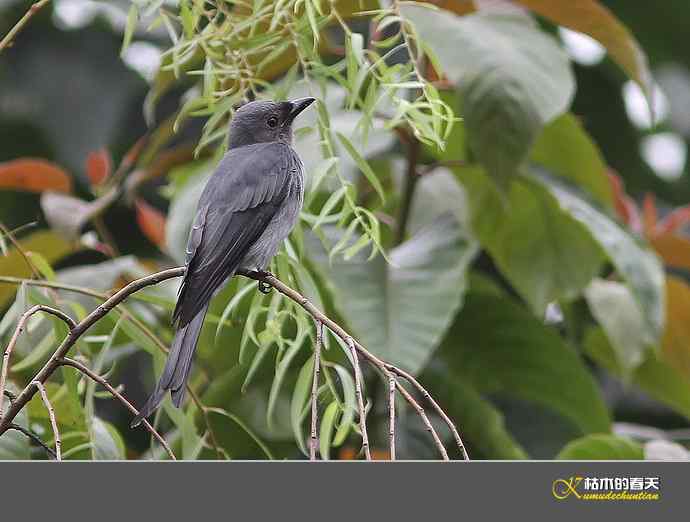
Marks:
<point>459,7</point>
<point>674,250</point>
<point>152,222</point>
<point>676,339</point>
<point>98,166</point>
<point>348,453</point>
<point>34,175</point>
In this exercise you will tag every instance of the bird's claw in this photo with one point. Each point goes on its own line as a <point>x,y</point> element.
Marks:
<point>264,287</point>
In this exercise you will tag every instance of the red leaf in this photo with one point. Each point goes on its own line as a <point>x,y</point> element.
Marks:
<point>649,214</point>
<point>674,220</point>
<point>98,166</point>
<point>34,175</point>
<point>152,222</point>
<point>624,205</point>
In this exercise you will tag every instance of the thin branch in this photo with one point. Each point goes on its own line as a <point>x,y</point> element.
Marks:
<point>360,400</point>
<point>356,349</point>
<point>427,423</point>
<point>315,390</point>
<point>410,183</point>
<point>18,247</point>
<point>51,416</point>
<point>391,414</point>
<point>136,322</point>
<point>51,365</point>
<point>414,382</point>
<point>7,40</point>
<point>65,361</point>
<point>375,361</point>
<point>21,324</point>
<point>34,438</point>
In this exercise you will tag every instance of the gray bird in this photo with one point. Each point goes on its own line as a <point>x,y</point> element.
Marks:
<point>248,207</point>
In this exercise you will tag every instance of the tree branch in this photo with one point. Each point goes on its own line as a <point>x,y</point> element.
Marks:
<point>34,438</point>
<point>391,414</point>
<point>383,366</point>
<point>52,364</point>
<point>356,349</point>
<point>7,40</point>
<point>315,390</point>
<point>410,183</point>
<point>65,361</point>
<point>360,400</point>
<point>21,324</point>
<point>51,416</point>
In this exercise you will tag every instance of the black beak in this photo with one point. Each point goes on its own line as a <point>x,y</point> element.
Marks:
<point>298,106</point>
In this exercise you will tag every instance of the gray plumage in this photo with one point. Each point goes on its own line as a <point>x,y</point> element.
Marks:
<point>247,209</point>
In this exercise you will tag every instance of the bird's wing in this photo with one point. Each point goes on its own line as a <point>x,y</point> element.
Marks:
<point>239,201</point>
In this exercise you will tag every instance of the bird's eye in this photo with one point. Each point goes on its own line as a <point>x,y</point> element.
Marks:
<point>272,121</point>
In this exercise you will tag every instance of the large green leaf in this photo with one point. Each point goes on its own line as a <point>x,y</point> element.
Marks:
<point>566,150</point>
<point>545,253</point>
<point>635,262</point>
<point>601,447</point>
<point>499,346</point>
<point>513,79</point>
<point>106,442</point>
<point>401,310</point>
<point>654,376</point>
<point>614,308</point>
<point>593,18</point>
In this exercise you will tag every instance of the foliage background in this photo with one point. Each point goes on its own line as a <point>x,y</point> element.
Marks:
<point>539,286</point>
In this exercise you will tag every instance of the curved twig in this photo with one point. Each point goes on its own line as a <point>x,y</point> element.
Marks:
<point>66,361</point>
<point>7,40</point>
<point>51,416</point>
<point>391,414</point>
<point>34,438</point>
<point>355,348</point>
<point>360,401</point>
<point>315,390</point>
<point>384,367</point>
<point>21,324</point>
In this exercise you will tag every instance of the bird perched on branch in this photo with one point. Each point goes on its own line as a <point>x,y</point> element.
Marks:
<point>248,207</point>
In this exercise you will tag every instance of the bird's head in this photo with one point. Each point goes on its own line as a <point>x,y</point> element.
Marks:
<point>265,121</point>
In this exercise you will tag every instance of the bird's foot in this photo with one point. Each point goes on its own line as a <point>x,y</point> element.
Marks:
<point>264,287</point>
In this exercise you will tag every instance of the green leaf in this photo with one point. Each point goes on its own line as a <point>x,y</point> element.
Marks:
<point>512,76</point>
<point>300,396</point>
<point>363,165</point>
<point>401,310</point>
<point>326,431</point>
<point>596,20</point>
<point>349,405</point>
<point>544,253</point>
<point>106,443</point>
<point>14,445</point>
<point>601,447</point>
<point>566,150</point>
<point>654,376</point>
<point>613,306</point>
<point>498,346</point>
<point>130,27</point>
<point>635,262</point>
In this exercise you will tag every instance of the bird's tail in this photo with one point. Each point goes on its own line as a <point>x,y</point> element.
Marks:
<point>177,367</point>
